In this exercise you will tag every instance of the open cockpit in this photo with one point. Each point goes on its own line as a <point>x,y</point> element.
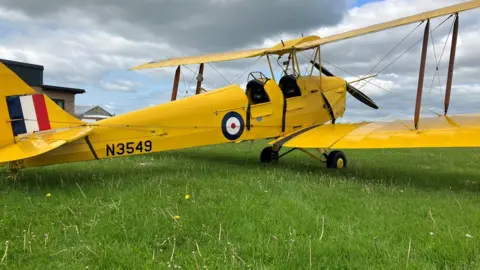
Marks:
<point>255,89</point>
<point>256,93</point>
<point>288,85</point>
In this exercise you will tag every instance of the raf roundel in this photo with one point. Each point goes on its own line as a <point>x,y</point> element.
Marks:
<point>232,125</point>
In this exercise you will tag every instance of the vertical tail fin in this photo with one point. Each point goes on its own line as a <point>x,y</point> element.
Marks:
<point>10,85</point>
<point>23,111</point>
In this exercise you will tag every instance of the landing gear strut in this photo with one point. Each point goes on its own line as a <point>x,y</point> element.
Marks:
<point>269,155</point>
<point>335,159</point>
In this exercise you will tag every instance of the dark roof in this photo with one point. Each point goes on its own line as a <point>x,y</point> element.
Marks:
<point>21,64</point>
<point>81,109</point>
<point>29,73</point>
<point>33,76</point>
<point>63,89</point>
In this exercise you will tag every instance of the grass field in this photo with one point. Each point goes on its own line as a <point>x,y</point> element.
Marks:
<point>396,209</point>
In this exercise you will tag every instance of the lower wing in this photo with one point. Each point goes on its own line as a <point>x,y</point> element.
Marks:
<point>441,131</point>
<point>38,143</point>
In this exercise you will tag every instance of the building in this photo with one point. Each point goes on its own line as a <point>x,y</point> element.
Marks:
<point>33,76</point>
<point>91,113</point>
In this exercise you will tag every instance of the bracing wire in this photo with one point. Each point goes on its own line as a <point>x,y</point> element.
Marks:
<point>405,52</point>
<point>219,73</point>
<point>392,50</point>
<point>438,62</point>
<point>307,57</point>
<point>191,81</point>
<point>246,69</point>
<point>391,63</point>
<point>207,81</point>
<point>380,87</point>
<point>331,109</point>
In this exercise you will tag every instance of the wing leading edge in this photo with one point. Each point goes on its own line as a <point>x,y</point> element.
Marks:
<point>40,143</point>
<point>434,132</point>
<point>206,58</point>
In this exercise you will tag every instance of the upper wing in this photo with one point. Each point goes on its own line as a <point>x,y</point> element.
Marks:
<point>206,58</point>
<point>280,48</point>
<point>307,42</point>
<point>39,143</point>
<point>395,23</point>
<point>442,131</point>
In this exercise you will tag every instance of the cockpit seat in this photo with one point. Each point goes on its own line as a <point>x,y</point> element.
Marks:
<point>256,92</point>
<point>288,85</point>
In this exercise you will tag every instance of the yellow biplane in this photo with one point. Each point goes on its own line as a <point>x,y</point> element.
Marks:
<point>298,112</point>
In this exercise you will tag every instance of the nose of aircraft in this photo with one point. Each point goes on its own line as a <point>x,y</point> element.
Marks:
<point>360,96</point>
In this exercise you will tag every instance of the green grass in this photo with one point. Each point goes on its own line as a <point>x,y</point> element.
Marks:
<point>395,209</point>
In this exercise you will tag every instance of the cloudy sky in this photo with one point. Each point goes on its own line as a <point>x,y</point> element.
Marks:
<point>91,45</point>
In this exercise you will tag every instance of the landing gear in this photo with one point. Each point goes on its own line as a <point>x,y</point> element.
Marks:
<point>269,155</point>
<point>336,160</point>
<point>14,169</point>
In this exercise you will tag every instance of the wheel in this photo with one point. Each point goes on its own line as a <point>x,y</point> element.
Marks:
<point>268,155</point>
<point>337,160</point>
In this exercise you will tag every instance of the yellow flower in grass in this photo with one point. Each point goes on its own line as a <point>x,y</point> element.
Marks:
<point>176,217</point>
<point>187,197</point>
<point>48,195</point>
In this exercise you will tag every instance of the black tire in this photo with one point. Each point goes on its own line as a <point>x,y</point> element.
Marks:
<point>336,160</point>
<point>268,155</point>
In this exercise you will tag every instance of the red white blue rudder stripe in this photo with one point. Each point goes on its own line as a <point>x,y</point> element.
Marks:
<point>28,114</point>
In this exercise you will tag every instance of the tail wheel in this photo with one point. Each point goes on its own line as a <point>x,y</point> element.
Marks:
<point>268,155</point>
<point>336,160</point>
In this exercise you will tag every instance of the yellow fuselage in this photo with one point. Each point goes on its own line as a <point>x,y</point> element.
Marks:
<point>200,120</point>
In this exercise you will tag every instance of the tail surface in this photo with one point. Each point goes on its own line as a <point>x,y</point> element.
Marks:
<point>24,112</point>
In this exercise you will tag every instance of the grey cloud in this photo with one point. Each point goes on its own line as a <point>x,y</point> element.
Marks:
<point>204,25</point>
